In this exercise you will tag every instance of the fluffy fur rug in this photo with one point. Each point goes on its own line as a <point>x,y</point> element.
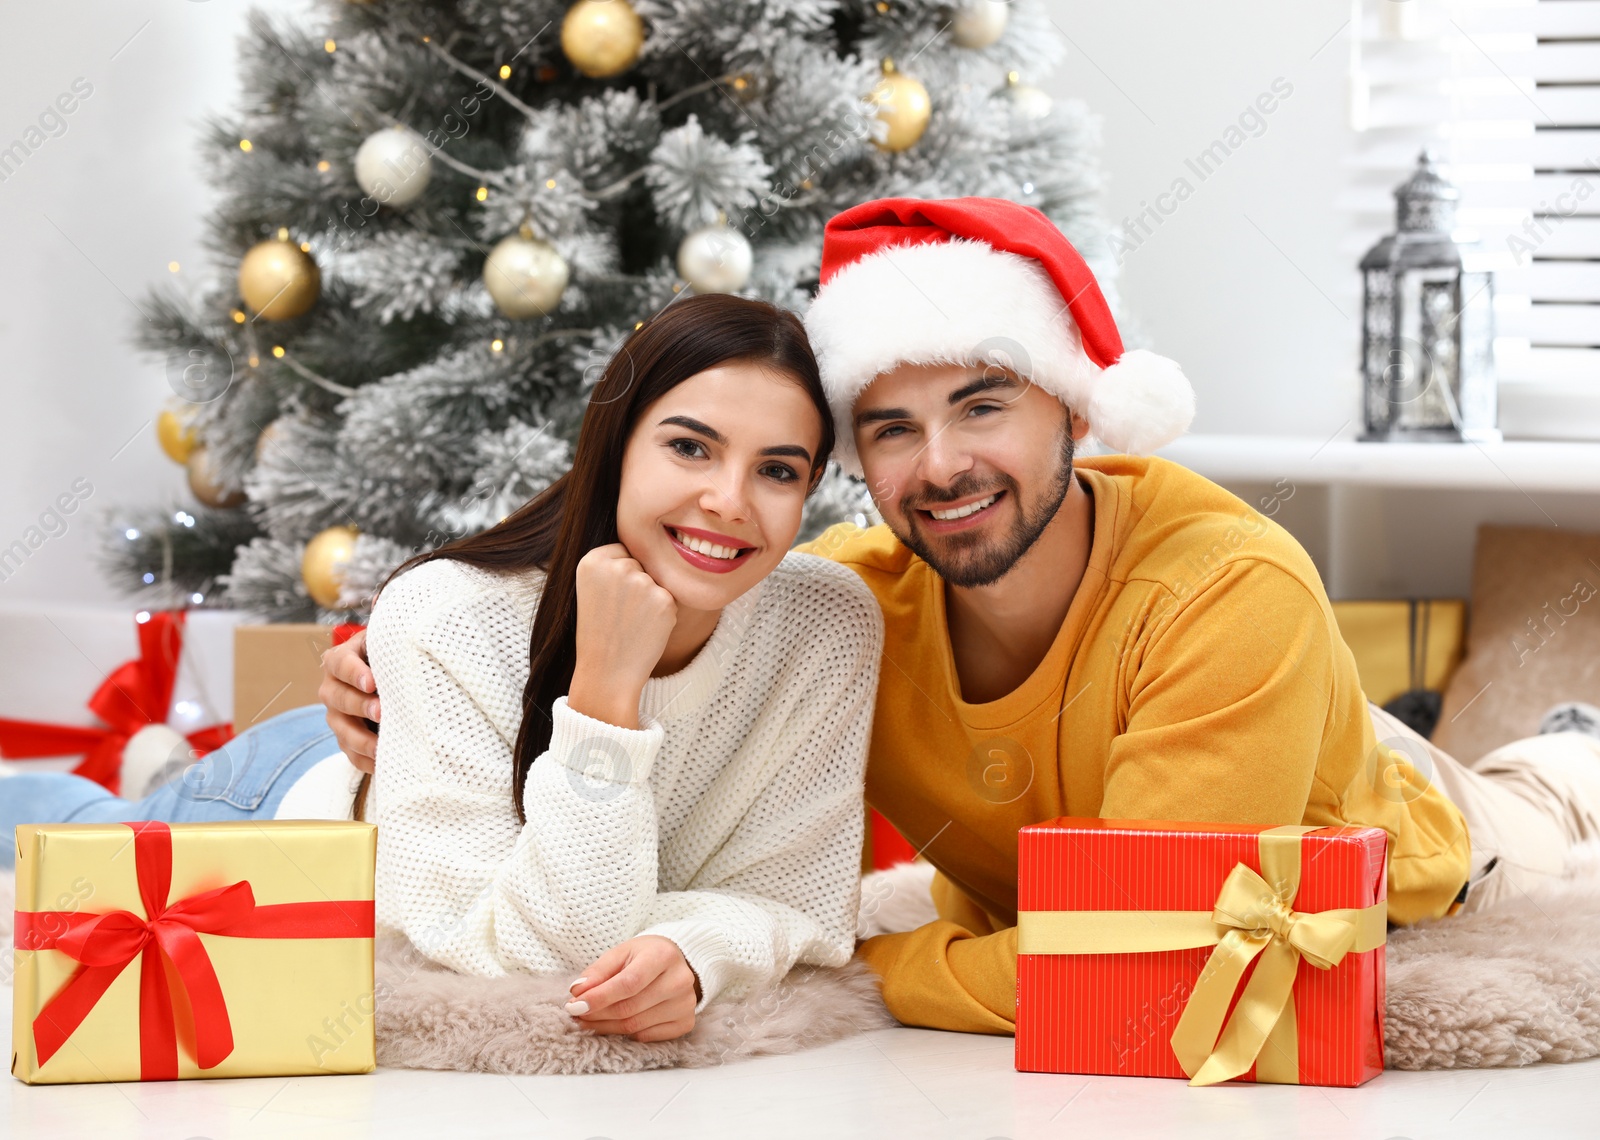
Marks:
<point>429,1018</point>
<point>1506,987</point>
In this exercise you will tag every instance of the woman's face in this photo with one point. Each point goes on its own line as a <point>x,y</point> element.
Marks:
<point>714,480</point>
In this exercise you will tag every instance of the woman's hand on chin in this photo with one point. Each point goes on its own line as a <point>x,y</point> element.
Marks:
<point>643,988</point>
<point>624,620</point>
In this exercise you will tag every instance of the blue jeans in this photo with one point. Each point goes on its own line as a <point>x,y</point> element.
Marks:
<point>244,779</point>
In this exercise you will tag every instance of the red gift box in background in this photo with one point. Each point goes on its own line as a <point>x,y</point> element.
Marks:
<point>1086,1011</point>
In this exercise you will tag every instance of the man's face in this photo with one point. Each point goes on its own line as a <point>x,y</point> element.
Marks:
<point>968,464</point>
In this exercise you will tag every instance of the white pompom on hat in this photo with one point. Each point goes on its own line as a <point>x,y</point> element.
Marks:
<point>982,281</point>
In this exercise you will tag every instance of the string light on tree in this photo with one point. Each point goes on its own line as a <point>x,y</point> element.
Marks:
<point>1027,101</point>
<point>978,23</point>
<point>393,166</point>
<point>415,309</point>
<point>902,103</point>
<point>206,483</point>
<point>278,279</point>
<point>322,567</point>
<point>602,38</point>
<point>525,275</point>
<point>715,259</point>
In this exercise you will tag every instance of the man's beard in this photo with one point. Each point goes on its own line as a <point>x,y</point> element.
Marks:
<point>969,560</point>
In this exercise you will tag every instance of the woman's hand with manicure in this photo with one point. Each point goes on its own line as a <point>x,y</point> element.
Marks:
<point>643,988</point>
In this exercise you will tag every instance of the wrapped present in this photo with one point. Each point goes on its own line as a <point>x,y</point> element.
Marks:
<point>1201,950</point>
<point>278,667</point>
<point>148,951</point>
<point>135,701</point>
<point>882,844</point>
<point>1403,644</point>
<point>1406,652</point>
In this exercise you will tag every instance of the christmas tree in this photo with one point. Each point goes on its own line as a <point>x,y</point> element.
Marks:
<point>439,219</point>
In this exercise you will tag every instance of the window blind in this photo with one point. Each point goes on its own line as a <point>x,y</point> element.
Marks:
<point>1507,94</point>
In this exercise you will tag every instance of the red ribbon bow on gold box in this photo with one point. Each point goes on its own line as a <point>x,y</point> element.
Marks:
<point>136,694</point>
<point>166,941</point>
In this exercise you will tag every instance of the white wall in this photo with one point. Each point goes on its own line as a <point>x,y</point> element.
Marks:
<point>1245,282</point>
<point>88,221</point>
<point>1250,283</point>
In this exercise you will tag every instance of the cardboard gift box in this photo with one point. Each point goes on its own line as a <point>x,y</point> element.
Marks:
<point>276,668</point>
<point>149,951</point>
<point>1199,950</point>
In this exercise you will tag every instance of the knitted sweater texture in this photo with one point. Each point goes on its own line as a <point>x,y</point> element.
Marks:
<point>729,822</point>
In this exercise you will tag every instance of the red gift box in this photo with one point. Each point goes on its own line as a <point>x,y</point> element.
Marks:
<point>1209,951</point>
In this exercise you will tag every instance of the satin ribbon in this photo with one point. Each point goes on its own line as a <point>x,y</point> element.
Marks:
<point>169,932</point>
<point>136,694</point>
<point>344,631</point>
<point>1253,916</point>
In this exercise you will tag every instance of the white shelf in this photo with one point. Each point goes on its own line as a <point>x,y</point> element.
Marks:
<point>1524,465</point>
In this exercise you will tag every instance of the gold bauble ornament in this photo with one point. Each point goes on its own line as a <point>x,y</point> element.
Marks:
<point>903,104</point>
<point>278,280</point>
<point>175,435</point>
<point>324,562</point>
<point>524,275</point>
<point>602,38</point>
<point>207,485</point>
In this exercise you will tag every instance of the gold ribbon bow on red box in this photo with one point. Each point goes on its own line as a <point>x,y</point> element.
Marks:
<point>1253,916</point>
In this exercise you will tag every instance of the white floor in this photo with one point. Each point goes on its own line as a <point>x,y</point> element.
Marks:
<point>885,1085</point>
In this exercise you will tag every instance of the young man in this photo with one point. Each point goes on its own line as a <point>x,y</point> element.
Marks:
<point>1113,636</point>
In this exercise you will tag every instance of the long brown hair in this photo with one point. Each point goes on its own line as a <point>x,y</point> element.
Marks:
<point>578,512</point>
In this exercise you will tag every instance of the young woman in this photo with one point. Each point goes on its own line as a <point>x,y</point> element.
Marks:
<point>624,730</point>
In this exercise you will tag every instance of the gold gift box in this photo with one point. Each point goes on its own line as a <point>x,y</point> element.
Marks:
<point>296,1005</point>
<point>1391,651</point>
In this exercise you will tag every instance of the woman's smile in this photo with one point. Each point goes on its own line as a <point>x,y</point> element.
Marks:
<point>708,550</point>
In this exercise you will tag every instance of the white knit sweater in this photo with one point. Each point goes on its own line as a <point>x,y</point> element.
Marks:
<point>730,822</point>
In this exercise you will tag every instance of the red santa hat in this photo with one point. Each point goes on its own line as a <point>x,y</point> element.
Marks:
<point>982,281</point>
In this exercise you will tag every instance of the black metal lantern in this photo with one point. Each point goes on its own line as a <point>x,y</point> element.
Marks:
<point>1427,324</point>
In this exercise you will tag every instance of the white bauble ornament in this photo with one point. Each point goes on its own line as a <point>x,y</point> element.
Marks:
<point>525,276</point>
<point>147,752</point>
<point>393,166</point>
<point>715,259</point>
<point>1027,101</point>
<point>978,23</point>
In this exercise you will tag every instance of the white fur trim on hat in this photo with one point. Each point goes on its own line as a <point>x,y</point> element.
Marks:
<point>954,302</point>
<point>964,302</point>
<point>1141,403</point>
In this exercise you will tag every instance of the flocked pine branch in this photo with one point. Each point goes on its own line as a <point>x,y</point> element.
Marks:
<point>404,403</point>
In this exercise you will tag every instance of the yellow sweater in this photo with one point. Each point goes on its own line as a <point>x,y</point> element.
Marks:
<point>1199,675</point>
